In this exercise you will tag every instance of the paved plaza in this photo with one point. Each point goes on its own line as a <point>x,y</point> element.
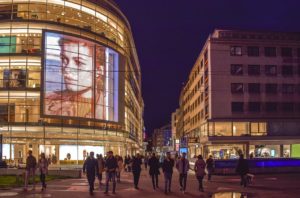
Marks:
<point>281,185</point>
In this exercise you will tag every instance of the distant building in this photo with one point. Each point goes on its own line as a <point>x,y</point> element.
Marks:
<point>243,96</point>
<point>162,139</point>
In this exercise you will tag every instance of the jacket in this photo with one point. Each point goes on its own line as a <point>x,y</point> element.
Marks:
<point>200,167</point>
<point>101,165</point>
<point>210,163</point>
<point>90,166</point>
<point>30,162</point>
<point>168,166</point>
<point>183,169</point>
<point>242,167</point>
<point>111,164</point>
<point>154,166</point>
<point>43,166</point>
<point>136,165</point>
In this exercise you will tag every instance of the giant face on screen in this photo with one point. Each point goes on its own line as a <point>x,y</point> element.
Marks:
<point>80,78</point>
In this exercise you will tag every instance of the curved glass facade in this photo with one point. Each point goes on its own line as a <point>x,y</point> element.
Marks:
<point>70,80</point>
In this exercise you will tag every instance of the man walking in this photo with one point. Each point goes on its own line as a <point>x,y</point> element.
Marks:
<point>90,167</point>
<point>136,170</point>
<point>167,167</point>
<point>154,170</point>
<point>183,167</point>
<point>111,165</point>
<point>243,169</point>
<point>210,167</point>
<point>30,170</point>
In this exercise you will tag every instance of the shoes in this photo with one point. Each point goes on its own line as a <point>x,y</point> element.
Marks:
<point>113,192</point>
<point>166,192</point>
<point>169,190</point>
<point>25,190</point>
<point>136,187</point>
<point>106,192</point>
<point>91,193</point>
<point>180,188</point>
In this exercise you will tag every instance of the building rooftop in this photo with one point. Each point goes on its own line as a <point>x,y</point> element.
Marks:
<point>255,35</point>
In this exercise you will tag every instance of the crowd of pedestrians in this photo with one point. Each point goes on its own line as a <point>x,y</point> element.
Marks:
<point>112,166</point>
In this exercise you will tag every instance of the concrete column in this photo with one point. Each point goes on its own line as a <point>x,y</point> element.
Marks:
<point>247,150</point>
<point>57,153</point>
<point>281,150</point>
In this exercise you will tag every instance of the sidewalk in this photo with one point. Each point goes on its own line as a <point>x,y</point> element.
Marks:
<point>275,186</point>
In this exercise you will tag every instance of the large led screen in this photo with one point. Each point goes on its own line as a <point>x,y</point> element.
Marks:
<point>80,78</point>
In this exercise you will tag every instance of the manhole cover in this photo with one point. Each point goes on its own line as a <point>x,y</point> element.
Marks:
<point>8,194</point>
<point>229,195</point>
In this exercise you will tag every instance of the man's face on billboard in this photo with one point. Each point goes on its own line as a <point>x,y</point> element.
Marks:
<point>77,65</point>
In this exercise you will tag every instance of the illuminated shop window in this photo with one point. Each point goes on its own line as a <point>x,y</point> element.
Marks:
<point>223,129</point>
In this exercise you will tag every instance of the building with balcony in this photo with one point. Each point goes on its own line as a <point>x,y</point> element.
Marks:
<point>243,96</point>
<point>70,80</point>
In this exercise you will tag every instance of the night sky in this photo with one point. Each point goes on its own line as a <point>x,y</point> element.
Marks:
<point>169,35</point>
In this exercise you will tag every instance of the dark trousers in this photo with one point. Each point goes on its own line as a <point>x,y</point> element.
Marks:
<point>118,175</point>
<point>168,181</point>
<point>110,176</point>
<point>200,181</point>
<point>100,178</point>
<point>154,180</point>
<point>146,165</point>
<point>43,180</point>
<point>243,180</point>
<point>136,178</point>
<point>209,173</point>
<point>91,180</point>
<point>182,181</point>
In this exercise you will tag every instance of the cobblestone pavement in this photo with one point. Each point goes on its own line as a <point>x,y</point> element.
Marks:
<point>275,186</point>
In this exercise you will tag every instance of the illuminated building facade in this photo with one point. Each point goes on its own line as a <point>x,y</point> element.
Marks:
<point>242,96</point>
<point>70,80</point>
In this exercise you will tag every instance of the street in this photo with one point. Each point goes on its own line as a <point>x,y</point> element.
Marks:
<point>281,185</point>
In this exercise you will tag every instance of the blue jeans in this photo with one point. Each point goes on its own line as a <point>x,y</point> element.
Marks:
<point>168,181</point>
<point>111,176</point>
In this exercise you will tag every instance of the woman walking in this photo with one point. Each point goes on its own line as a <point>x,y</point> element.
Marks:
<point>43,168</point>
<point>200,171</point>
<point>120,168</point>
<point>101,164</point>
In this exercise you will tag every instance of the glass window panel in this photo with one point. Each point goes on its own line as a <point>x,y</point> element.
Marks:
<point>240,128</point>
<point>223,129</point>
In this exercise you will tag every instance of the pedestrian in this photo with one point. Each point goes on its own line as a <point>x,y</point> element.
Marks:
<point>167,167</point>
<point>242,169</point>
<point>200,171</point>
<point>183,167</point>
<point>146,161</point>
<point>101,165</point>
<point>210,166</point>
<point>136,169</point>
<point>154,170</point>
<point>129,165</point>
<point>111,166</point>
<point>30,170</point>
<point>120,168</point>
<point>90,167</point>
<point>43,168</point>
